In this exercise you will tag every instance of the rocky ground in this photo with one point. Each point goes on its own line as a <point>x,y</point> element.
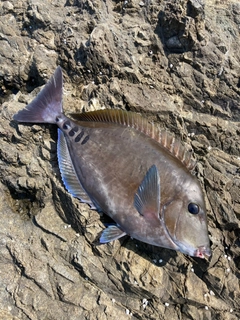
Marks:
<point>176,62</point>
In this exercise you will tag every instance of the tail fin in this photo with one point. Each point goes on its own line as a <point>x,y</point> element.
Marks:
<point>48,103</point>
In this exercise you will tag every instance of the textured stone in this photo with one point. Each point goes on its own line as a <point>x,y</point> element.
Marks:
<point>178,63</point>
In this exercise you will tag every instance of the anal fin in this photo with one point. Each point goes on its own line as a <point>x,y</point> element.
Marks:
<point>68,173</point>
<point>111,233</point>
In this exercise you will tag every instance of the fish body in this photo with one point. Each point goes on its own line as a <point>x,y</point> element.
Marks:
<point>121,165</point>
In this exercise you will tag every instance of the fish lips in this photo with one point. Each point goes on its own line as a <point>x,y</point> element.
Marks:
<point>203,253</point>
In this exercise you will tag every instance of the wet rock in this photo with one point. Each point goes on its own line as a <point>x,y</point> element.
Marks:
<point>176,62</point>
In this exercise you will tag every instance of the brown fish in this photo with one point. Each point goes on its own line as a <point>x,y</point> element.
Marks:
<point>120,164</point>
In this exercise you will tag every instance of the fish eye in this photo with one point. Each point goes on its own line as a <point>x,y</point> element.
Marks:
<point>193,208</point>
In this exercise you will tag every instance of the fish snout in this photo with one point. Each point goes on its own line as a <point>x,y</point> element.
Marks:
<point>203,252</point>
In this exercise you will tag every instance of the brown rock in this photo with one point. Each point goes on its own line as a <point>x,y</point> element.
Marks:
<point>178,63</point>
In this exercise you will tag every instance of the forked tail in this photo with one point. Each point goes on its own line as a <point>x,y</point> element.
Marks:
<point>47,106</point>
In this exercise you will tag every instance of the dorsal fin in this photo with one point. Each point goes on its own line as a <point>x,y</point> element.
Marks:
<point>134,120</point>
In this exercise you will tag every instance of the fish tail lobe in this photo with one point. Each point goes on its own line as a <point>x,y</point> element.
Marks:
<point>47,106</point>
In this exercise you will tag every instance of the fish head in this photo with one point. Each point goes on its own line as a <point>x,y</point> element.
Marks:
<point>186,221</point>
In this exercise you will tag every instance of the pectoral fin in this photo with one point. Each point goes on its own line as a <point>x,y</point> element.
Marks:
<point>111,233</point>
<point>147,199</point>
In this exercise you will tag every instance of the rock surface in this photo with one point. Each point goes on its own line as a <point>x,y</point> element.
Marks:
<point>178,63</point>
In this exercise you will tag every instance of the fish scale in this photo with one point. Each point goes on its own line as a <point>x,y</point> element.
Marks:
<point>120,164</point>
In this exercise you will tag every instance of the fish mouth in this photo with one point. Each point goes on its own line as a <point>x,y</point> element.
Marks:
<point>203,252</point>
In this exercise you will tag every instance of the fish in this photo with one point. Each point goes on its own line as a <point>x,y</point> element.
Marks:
<point>124,166</point>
